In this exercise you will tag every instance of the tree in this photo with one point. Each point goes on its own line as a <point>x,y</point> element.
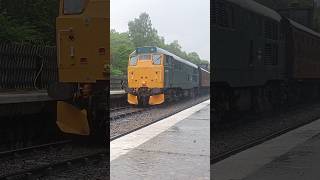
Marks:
<point>194,58</point>
<point>174,48</point>
<point>38,15</point>
<point>14,31</point>
<point>121,46</point>
<point>142,33</point>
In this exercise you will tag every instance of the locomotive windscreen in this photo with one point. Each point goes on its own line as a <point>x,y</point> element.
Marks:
<point>143,50</point>
<point>73,6</point>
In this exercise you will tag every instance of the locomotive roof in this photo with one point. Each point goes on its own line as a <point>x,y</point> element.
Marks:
<point>176,57</point>
<point>159,50</point>
<point>257,8</point>
<point>204,70</point>
<point>304,28</point>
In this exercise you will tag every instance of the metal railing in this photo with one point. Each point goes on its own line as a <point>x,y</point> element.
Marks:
<point>25,66</point>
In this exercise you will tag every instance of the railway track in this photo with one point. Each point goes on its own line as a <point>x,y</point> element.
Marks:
<point>123,112</point>
<point>42,167</point>
<point>46,169</point>
<point>163,106</point>
<point>119,108</point>
<point>223,155</point>
<point>19,152</point>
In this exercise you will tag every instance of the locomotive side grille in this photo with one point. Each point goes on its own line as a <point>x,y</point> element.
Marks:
<point>270,30</point>
<point>214,16</point>
<point>223,14</point>
<point>26,66</point>
<point>271,54</point>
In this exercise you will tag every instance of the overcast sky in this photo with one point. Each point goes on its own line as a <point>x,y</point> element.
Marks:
<point>187,21</point>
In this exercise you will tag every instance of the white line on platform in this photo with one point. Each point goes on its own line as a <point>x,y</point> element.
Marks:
<point>128,142</point>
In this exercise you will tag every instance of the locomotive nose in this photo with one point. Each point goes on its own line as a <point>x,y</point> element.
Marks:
<point>144,84</point>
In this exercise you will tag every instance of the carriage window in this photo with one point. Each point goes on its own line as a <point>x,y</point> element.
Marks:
<point>156,59</point>
<point>73,6</point>
<point>133,60</point>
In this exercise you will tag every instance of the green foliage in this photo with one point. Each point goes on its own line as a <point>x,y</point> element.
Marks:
<point>121,46</point>
<point>141,33</point>
<point>194,58</point>
<point>116,72</point>
<point>34,21</point>
<point>14,31</point>
<point>36,18</point>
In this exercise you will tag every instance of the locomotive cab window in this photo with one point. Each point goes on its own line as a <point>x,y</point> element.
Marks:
<point>156,59</point>
<point>73,6</point>
<point>168,60</point>
<point>144,57</point>
<point>133,60</point>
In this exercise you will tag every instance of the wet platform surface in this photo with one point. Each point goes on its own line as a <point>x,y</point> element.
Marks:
<point>177,147</point>
<point>117,92</point>
<point>292,156</point>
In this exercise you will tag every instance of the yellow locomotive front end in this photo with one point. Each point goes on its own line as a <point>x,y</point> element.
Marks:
<point>83,28</point>
<point>145,77</point>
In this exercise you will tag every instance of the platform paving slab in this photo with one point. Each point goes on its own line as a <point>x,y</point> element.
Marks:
<point>180,152</point>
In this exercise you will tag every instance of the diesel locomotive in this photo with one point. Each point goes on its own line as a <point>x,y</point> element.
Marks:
<point>261,60</point>
<point>156,75</point>
<point>83,28</point>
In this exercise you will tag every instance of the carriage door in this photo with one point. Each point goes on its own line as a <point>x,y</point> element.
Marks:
<point>168,76</point>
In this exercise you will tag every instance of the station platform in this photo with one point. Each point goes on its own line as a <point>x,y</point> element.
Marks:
<point>177,147</point>
<point>292,156</point>
<point>117,93</point>
<point>21,96</point>
<point>12,97</point>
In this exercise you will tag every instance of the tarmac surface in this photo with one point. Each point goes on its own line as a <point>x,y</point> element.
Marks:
<point>117,92</point>
<point>292,156</point>
<point>177,147</point>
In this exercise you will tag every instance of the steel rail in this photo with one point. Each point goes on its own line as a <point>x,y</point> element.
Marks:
<point>4,154</point>
<point>155,121</point>
<point>46,169</point>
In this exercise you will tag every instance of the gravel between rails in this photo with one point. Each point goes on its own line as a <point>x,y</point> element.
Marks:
<point>48,156</point>
<point>125,111</point>
<point>229,138</point>
<point>135,121</point>
<point>98,170</point>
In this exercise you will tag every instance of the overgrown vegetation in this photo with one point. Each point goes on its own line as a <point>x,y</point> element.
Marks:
<point>141,33</point>
<point>31,21</point>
